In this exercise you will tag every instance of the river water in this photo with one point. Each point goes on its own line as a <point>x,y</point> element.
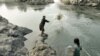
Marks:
<point>61,33</point>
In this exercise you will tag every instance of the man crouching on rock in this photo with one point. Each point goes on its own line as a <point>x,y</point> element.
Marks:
<point>42,24</point>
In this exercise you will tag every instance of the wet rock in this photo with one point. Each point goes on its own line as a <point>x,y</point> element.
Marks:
<point>3,20</point>
<point>40,2</point>
<point>92,4</point>
<point>12,39</point>
<point>18,31</point>
<point>21,0</point>
<point>23,51</point>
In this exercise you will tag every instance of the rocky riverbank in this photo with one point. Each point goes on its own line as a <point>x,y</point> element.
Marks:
<point>89,12</point>
<point>82,2</point>
<point>12,39</point>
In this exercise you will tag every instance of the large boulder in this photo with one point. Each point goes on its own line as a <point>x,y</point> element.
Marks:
<point>42,49</point>
<point>12,39</point>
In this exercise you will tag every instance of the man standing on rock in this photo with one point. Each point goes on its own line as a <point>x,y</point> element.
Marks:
<point>42,24</point>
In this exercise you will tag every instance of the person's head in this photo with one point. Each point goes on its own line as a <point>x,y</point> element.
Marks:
<point>76,41</point>
<point>44,16</point>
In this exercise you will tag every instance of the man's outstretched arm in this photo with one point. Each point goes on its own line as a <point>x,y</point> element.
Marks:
<point>47,21</point>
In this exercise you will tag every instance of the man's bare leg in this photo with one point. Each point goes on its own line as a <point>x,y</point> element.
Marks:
<point>42,32</point>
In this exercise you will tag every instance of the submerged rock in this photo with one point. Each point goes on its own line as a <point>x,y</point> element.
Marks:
<point>12,39</point>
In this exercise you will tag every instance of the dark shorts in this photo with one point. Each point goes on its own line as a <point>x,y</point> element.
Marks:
<point>41,27</point>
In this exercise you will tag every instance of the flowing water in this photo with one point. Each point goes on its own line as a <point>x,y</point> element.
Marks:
<point>61,33</point>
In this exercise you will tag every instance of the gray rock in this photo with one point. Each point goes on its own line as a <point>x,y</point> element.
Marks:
<point>42,49</point>
<point>22,52</point>
<point>92,4</point>
<point>3,20</point>
<point>40,2</point>
<point>12,39</point>
<point>82,2</point>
